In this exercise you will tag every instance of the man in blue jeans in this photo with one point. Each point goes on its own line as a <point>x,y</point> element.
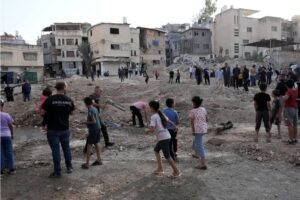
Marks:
<point>58,109</point>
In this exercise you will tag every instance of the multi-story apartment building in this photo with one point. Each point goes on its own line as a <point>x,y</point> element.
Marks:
<point>60,42</point>
<point>135,46</point>
<point>196,41</point>
<point>233,28</point>
<point>152,46</point>
<point>17,57</point>
<point>111,46</point>
<point>172,46</point>
<point>296,30</point>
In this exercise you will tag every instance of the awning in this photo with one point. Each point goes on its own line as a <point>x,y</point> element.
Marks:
<point>272,43</point>
<point>112,60</point>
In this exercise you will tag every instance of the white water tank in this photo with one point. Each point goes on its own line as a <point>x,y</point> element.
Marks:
<point>124,20</point>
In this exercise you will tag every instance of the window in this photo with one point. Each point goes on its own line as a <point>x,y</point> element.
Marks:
<point>196,33</point>
<point>206,46</point>
<point>91,33</point>
<point>203,34</point>
<point>236,32</point>
<point>45,45</point>
<point>245,41</point>
<point>131,53</point>
<point>59,42</point>
<point>249,29</point>
<point>76,41</point>
<point>77,53</point>
<point>134,53</point>
<point>274,28</point>
<point>236,56</point>
<point>131,40</point>
<point>156,62</point>
<point>70,41</point>
<point>63,54</point>
<point>30,56</point>
<point>158,33</point>
<point>236,48</point>
<point>159,52</point>
<point>63,42</point>
<point>114,46</point>
<point>6,55</point>
<point>114,31</point>
<point>70,54</point>
<point>58,52</point>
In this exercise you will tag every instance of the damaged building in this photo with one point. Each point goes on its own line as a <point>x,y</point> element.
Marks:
<point>60,43</point>
<point>152,47</point>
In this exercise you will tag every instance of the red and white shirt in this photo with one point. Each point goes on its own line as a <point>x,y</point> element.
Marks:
<point>198,115</point>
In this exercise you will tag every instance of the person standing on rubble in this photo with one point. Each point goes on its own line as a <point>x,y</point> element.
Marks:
<point>136,109</point>
<point>171,76</point>
<point>26,90</point>
<point>177,80</point>
<point>100,107</point>
<point>58,108</point>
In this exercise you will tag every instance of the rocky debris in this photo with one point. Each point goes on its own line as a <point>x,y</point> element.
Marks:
<point>253,152</point>
<point>295,159</point>
<point>216,141</point>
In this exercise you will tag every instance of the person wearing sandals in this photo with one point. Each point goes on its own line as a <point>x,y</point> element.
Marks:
<point>7,153</point>
<point>158,124</point>
<point>198,116</point>
<point>290,111</point>
<point>262,106</point>
<point>94,128</point>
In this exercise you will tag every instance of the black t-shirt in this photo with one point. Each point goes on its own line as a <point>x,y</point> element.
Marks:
<point>58,108</point>
<point>281,87</point>
<point>261,100</point>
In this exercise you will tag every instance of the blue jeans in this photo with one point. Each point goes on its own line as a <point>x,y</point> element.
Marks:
<point>253,81</point>
<point>7,154</point>
<point>54,139</point>
<point>198,145</point>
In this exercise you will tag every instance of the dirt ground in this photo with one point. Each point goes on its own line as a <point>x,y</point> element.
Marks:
<point>238,167</point>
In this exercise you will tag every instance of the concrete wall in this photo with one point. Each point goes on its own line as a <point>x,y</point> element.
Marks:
<point>101,40</point>
<point>135,45</point>
<point>12,59</point>
<point>17,55</point>
<point>230,20</point>
<point>112,67</point>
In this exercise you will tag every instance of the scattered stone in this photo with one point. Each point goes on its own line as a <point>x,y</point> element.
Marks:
<point>216,141</point>
<point>58,188</point>
<point>259,159</point>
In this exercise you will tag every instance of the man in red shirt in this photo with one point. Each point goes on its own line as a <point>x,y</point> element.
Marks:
<point>290,111</point>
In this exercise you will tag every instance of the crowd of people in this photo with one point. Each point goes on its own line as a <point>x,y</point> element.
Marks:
<point>55,110</point>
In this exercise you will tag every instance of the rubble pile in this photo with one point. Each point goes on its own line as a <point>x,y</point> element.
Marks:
<point>253,152</point>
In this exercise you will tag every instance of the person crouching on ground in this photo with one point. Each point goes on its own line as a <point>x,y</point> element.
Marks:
<point>276,111</point>
<point>136,109</point>
<point>158,124</point>
<point>198,116</point>
<point>263,107</point>
<point>94,127</point>
<point>7,135</point>
<point>290,111</point>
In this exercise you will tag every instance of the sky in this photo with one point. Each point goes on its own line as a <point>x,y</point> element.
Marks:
<point>29,17</point>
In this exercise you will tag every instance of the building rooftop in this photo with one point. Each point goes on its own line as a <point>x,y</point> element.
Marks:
<point>103,23</point>
<point>245,12</point>
<point>153,29</point>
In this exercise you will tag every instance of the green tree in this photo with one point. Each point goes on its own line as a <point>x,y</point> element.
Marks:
<point>206,12</point>
<point>87,56</point>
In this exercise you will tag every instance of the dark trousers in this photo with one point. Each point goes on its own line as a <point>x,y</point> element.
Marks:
<point>173,143</point>
<point>177,80</point>
<point>26,97</point>
<point>7,155</point>
<point>207,81</point>
<point>236,82</point>
<point>245,84</point>
<point>104,133</point>
<point>55,139</point>
<point>136,112</point>
<point>262,116</point>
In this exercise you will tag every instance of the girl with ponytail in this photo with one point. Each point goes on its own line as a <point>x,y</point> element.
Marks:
<point>158,124</point>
